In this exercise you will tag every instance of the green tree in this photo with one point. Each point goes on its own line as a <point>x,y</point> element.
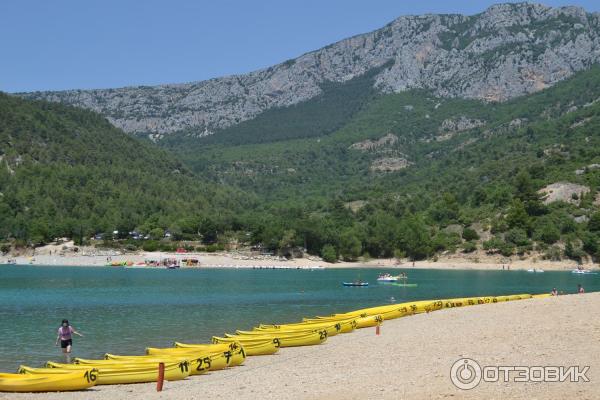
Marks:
<point>547,233</point>
<point>469,247</point>
<point>350,245</point>
<point>517,237</point>
<point>594,222</point>
<point>329,253</point>
<point>470,234</point>
<point>517,216</point>
<point>415,239</point>
<point>591,244</point>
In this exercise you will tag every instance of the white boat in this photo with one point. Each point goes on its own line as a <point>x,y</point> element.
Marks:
<point>583,272</point>
<point>535,270</point>
<point>390,278</point>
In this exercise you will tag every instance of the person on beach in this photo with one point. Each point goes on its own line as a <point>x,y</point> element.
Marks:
<point>554,292</point>
<point>65,333</point>
<point>580,289</point>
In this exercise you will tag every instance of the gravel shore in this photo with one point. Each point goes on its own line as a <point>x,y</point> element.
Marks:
<point>225,260</point>
<point>411,359</point>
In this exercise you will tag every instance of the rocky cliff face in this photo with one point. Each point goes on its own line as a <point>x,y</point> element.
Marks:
<point>507,51</point>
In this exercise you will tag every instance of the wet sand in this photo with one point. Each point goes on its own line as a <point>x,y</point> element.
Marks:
<point>410,359</point>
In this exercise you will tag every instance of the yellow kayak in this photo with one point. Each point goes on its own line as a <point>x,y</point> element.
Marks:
<point>331,329</point>
<point>197,363</point>
<point>403,308</point>
<point>205,361</point>
<point>541,296</point>
<point>308,339</point>
<point>111,374</point>
<point>211,349</point>
<point>344,326</point>
<point>73,380</point>
<point>260,348</point>
<point>361,322</point>
<point>279,333</point>
<point>194,364</point>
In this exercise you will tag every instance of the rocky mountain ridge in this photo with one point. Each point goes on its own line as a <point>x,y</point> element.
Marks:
<point>506,51</point>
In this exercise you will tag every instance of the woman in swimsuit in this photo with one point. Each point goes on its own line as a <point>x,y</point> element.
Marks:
<point>64,336</point>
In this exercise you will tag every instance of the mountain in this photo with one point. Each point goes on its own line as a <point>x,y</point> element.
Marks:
<point>68,172</point>
<point>509,50</point>
<point>435,135</point>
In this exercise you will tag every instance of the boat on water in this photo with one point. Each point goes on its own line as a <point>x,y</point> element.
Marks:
<point>387,278</point>
<point>535,270</point>
<point>356,284</point>
<point>583,272</point>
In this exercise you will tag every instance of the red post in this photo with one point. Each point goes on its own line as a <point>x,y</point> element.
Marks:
<point>161,377</point>
<point>377,329</point>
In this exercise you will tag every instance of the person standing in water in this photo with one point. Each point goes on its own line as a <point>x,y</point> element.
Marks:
<point>580,289</point>
<point>65,333</point>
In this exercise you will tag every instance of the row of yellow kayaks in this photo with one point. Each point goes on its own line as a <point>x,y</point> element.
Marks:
<point>115,369</point>
<point>230,350</point>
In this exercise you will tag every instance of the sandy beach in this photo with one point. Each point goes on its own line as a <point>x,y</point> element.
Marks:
<point>55,255</point>
<point>411,359</point>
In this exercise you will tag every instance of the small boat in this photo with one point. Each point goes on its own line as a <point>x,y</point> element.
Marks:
<point>535,270</point>
<point>172,266</point>
<point>387,278</point>
<point>583,272</point>
<point>356,284</point>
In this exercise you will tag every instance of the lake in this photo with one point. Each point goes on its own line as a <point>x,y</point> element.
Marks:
<point>124,310</point>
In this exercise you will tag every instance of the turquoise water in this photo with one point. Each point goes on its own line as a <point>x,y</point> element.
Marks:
<point>124,310</point>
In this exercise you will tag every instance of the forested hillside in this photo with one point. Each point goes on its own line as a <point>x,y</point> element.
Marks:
<point>407,175</point>
<point>410,173</point>
<point>68,172</point>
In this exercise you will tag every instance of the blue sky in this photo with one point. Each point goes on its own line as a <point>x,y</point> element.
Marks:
<point>68,44</point>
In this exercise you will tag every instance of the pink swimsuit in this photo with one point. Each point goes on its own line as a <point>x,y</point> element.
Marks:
<point>65,333</point>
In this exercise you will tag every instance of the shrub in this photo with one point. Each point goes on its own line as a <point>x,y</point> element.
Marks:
<point>517,236</point>
<point>591,245</point>
<point>470,234</point>
<point>594,222</point>
<point>494,244</point>
<point>5,248</point>
<point>469,247</point>
<point>213,248</point>
<point>328,253</point>
<point>150,245</point>
<point>548,234</point>
<point>553,253</point>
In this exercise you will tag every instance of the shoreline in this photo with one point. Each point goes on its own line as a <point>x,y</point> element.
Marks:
<point>411,358</point>
<point>235,261</point>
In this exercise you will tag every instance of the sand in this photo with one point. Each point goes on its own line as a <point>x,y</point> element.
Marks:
<point>458,261</point>
<point>410,359</point>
